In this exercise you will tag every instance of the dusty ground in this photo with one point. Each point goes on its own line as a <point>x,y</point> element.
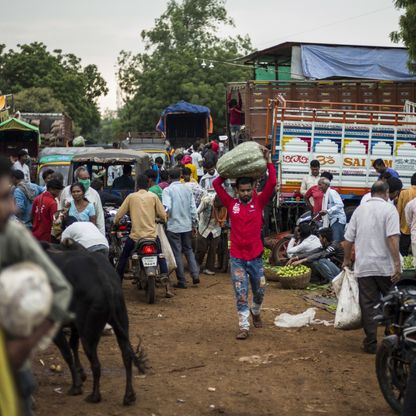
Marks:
<point>191,347</point>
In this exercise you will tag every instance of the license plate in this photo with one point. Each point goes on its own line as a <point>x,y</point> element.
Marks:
<point>150,261</point>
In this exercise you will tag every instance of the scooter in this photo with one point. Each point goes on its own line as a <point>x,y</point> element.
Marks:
<point>145,267</point>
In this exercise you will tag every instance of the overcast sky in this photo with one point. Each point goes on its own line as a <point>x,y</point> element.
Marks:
<point>97,30</point>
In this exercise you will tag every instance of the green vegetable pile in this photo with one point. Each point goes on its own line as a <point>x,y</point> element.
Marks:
<point>266,255</point>
<point>408,263</point>
<point>292,271</point>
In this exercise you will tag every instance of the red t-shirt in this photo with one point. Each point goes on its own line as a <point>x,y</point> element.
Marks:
<point>43,208</point>
<point>246,219</point>
<point>317,196</point>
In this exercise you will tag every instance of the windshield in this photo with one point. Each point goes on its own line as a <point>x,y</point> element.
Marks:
<point>63,169</point>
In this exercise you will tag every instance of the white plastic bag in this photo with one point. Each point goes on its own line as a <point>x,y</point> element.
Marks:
<point>348,314</point>
<point>286,320</point>
<point>166,249</point>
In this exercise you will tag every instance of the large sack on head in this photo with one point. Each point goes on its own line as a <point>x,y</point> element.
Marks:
<point>26,298</point>
<point>246,159</point>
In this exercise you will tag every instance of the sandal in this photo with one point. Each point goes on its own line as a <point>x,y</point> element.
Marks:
<point>243,334</point>
<point>257,322</point>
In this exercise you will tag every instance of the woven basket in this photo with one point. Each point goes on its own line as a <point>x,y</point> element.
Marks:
<point>295,282</point>
<point>271,275</point>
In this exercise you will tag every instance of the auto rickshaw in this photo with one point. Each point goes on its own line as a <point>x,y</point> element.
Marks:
<point>150,146</point>
<point>107,164</point>
<point>59,159</point>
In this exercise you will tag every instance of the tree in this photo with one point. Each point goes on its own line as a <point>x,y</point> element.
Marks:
<point>170,68</point>
<point>37,100</point>
<point>407,32</point>
<point>109,129</point>
<point>76,87</point>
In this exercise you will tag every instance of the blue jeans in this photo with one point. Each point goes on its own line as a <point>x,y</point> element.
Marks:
<point>181,243</point>
<point>242,272</point>
<point>338,231</point>
<point>326,269</point>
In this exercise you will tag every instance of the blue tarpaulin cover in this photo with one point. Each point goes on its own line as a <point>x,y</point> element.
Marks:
<point>181,107</point>
<point>320,62</point>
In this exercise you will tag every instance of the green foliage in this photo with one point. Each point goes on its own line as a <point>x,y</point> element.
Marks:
<point>407,31</point>
<point>170,68</point>
<point>76,87</point>
<point>37,100</point>
<point>109,129</point>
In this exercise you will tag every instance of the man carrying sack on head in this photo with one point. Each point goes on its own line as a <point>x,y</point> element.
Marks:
<point>246,218</point>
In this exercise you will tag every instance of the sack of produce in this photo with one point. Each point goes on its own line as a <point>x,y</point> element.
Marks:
<point>348,314</point>
<point>26,298</point>
<point>246,159</point>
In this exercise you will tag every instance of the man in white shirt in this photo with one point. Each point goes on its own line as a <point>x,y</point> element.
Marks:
<point>303,242</point>
<point>207,180</point>
<point>21,164</point>
<point>374,228</point>
<point>332,213</point>
<point>410,213</point>
<point>395,186</point>
<point>197,160</point>
<point>86,234</point>
<point>312,179</point>
<point>82,176</point>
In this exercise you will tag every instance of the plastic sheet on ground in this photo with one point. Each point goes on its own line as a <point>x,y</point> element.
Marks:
<point>286,320</point>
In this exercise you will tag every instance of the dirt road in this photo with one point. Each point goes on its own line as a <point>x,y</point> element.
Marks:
<point>190,342</point>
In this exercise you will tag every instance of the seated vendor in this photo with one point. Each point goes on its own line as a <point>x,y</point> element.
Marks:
<point>303,242</point>
<point>325,261</point>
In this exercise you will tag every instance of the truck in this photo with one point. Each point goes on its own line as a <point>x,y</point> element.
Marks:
<point>346,142</point>
<point>56,129</point>
<point>385,95</point>
<point>184,123</point>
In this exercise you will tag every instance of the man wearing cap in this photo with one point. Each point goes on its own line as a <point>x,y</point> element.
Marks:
<point>20,164</point>
<point>43,208</point>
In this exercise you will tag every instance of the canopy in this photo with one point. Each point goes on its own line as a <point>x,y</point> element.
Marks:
<point>16,124</point>
<point>182,107</point>
<point>10,128</point>
<point>320,62</point>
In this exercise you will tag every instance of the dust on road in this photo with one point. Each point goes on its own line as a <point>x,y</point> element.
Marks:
<point>196,367</point>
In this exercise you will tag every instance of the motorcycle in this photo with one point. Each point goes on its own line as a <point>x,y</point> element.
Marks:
<point>397,349</point>
<point>146,273</point>
<point>116,235</point>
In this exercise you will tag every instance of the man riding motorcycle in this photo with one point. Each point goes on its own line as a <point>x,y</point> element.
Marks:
<point>144,208</point>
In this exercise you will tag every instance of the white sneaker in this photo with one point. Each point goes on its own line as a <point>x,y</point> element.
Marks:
<point>208,272</point>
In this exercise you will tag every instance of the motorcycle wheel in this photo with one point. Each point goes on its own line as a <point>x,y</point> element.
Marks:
<point>279,251</point>
<point>151,289</point>
<point>392,374</point>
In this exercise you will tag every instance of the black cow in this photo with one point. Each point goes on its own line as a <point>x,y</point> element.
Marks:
<point>97,299</point>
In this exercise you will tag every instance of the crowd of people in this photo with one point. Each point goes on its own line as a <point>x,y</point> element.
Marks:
<point>196,205</point>
<point>377,236</point>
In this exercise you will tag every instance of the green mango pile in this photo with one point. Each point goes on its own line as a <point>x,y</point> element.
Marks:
<point>292,271</point>
<point>408,263</point>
